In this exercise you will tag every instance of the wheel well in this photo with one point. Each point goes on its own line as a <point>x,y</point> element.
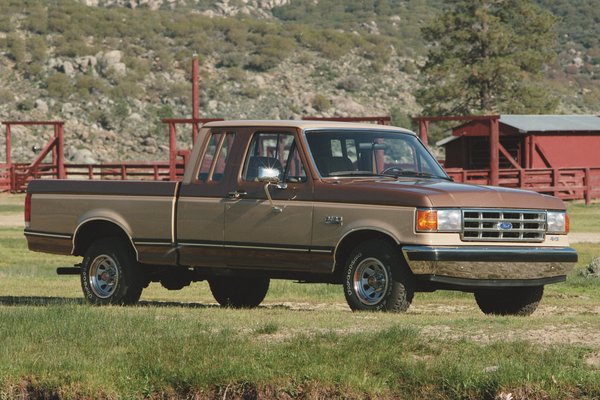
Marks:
<point>91,231</point>
<point>350,242</point>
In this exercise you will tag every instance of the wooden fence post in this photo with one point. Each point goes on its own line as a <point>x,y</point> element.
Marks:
<point>588,187</point>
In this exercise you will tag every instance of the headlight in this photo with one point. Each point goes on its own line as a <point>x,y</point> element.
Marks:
<point>557,222</point>
<point>438,221</point>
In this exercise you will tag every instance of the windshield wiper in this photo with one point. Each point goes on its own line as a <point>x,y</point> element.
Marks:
<point>356,173</point>
<point>419,175</point>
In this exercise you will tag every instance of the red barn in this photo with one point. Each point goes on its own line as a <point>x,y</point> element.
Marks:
<point>531,141</point>
<point>554,154</point>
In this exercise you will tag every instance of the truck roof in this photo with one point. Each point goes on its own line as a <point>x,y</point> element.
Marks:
<point>306,124</point>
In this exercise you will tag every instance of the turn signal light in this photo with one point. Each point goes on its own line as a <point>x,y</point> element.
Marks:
<point>567,223</point>
<point>427,220</point>
<point>27,209</point>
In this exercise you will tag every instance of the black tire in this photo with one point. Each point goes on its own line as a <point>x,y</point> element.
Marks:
<point>376,278</point>
<point>521,301</point>
<point>239,292</point>
<point>110,273</point>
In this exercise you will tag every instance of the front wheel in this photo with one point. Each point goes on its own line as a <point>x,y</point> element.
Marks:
<point>239,292</point>
<point>376,278</point>
<point>521,301</point>
<point>110,273</point>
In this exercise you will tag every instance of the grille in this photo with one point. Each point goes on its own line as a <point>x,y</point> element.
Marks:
<point>504,225</point>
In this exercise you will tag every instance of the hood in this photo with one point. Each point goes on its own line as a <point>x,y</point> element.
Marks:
<point>418,192</point>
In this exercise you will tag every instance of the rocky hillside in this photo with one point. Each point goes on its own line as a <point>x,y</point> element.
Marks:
<point>113,68</point>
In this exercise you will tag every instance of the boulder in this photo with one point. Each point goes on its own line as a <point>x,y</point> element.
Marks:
<point>82,156</point>
<point>67,68</point>
<point>41,105</point>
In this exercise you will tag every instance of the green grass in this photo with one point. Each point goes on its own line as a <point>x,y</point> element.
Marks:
<point>11,204</point>
<point>82,351</point>
<point>584,218</point>
<point>303,342</point>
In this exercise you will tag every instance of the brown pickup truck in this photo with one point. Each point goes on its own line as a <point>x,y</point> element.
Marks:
<point>364,206</point>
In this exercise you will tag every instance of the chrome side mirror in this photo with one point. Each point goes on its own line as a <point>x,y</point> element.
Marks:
<point>268,175</point>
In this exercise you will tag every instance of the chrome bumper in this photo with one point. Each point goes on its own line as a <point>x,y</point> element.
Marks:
<point>490,263</point>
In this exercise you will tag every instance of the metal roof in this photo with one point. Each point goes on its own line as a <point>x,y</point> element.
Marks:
<point>552,123</point>
<point>446,140</point>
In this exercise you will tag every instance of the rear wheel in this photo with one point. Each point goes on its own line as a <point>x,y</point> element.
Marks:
<point>239,292</point>
<point>511,301</point>
<point>377,279</point>
<point>110,273</point>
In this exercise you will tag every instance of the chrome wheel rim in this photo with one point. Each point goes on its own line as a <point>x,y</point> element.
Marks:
<point>103,276</point>
<point>371,281</point>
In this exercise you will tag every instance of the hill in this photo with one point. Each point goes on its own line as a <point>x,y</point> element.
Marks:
<point>113,68</point>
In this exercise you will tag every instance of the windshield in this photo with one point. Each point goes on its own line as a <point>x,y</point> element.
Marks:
<point>371,153</point>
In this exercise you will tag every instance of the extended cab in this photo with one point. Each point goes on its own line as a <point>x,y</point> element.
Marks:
<point>360,205</point>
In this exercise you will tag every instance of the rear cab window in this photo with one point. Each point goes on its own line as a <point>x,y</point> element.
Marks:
<point>216,155</point>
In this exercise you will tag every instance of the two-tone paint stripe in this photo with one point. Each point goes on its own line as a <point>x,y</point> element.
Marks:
<point>212,244</point>
<point>240,245</point>
<point>48,234</point>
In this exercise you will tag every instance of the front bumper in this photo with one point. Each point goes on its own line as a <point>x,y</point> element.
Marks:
<point>491,263</point>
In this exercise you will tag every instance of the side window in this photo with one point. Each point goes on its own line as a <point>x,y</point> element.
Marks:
<point>213,163</point>
<point>277,151</point>
<point>294,170</point>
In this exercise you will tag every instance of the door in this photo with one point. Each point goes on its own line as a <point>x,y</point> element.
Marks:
<point>201,205</point>
<point>265,235</point>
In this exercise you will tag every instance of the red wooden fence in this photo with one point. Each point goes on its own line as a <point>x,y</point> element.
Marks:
<point>565,183</point>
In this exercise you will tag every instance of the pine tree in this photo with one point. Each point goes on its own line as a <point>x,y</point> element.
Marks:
<point>487,56</point>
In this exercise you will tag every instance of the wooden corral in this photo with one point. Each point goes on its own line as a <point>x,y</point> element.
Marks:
<point>554,154</point>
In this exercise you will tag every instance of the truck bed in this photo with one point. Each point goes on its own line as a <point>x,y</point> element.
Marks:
<point>62,207</point>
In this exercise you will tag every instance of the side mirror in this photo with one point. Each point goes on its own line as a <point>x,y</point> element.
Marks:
<point>268,175</point>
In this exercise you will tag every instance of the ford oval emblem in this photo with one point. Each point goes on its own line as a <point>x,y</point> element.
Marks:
<point>505,226</point>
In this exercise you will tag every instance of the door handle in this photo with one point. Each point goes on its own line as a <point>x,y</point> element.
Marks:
<point>236,194</point>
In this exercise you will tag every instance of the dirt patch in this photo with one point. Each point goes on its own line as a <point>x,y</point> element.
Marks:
<point>584,237</point>
<point>593,360</point>
<point>11,221</point>
<point>580,333</point>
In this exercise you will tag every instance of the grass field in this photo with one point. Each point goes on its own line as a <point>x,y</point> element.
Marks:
<point>303,342</point>
<point>584,218</point>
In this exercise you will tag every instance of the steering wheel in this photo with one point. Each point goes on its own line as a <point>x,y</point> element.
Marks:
<point>391,170</point>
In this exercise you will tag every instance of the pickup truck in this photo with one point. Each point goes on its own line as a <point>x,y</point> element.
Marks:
<point>360,205</point>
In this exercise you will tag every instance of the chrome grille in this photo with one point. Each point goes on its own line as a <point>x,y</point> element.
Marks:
<point>504,225</point>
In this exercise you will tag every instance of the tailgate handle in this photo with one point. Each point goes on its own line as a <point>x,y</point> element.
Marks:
<point>236,194</point>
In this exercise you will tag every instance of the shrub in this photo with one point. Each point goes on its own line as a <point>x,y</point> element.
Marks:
<point>120,109</point>
<point>236,74</point>
<point>251,92</point>
<point>87,85</point>
<point>409,67</point>
<point>126,87</point>
<point>58,85</point>
<point>321,103</point>
<point>26,105</point>
<point>351,83</point>
<point>37,48</point>
<point>237,36</point>
<point>261,63</point>
<point>16,48</point>
<point>34,70</point>
<point>6,96</point>
<point>37,20</point>
<point>230,59</point>
<point>400,118</point>
<point>164,111</point>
